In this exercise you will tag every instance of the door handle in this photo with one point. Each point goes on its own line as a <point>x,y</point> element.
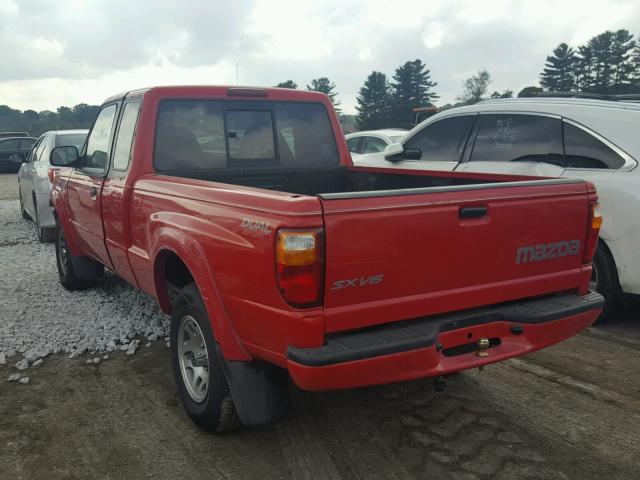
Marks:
<point>473,212</point>
<point>93,192</point>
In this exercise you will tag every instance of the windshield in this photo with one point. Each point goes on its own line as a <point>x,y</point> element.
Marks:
<point>70,139</point>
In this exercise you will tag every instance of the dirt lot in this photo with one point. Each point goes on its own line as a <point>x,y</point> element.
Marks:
<point>569,412</point>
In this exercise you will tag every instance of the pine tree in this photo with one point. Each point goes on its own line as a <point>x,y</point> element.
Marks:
<point>622,62</point>
<point>374,102</point>
<point>559,75</point>
<point>412,88</point>
<point>584,69</point>
<point>326,86</point>
<point>287,84</point>
<point>636,64</point>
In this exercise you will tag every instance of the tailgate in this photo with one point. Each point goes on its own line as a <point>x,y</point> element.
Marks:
<point>394,255</point>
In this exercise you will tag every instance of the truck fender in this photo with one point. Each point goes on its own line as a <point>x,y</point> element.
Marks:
<point>61,215</point>
<point>190,252</point>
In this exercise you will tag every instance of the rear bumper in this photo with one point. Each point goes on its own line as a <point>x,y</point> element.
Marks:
<point>442,344</point>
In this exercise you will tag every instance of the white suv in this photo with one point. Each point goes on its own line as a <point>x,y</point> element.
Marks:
<point>596,140</point>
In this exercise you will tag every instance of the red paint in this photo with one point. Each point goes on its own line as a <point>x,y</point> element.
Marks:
<point>428,362</point>
<point>432,261</point>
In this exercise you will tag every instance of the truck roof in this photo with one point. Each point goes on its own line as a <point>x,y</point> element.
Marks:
<point>217,91</point>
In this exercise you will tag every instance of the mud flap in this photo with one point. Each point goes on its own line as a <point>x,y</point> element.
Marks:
<point>260,390</point>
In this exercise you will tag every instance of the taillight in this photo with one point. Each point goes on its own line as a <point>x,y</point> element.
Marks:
<point>593,231</point>
<point>300,266</point>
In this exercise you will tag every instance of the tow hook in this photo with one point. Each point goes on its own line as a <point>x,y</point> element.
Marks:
<point>483,345</point>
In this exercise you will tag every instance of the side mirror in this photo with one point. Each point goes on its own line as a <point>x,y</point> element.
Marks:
<point>67,156</point>
<point>17,158</point>
<point>394,152</point>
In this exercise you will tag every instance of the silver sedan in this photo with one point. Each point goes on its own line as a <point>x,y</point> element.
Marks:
<point>33,179</point>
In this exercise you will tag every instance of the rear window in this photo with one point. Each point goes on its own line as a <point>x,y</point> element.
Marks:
<point>209,134</point>
<point>583,150</point>
<point>71,139</point>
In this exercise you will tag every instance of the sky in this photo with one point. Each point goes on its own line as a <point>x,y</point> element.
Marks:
<point>66,52</point>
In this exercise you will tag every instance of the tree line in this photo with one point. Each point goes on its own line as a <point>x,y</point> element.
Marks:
<point>609,63</point>
<point>36,123</point>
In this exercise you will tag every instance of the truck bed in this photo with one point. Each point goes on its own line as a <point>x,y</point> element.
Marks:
<point>323,180</point>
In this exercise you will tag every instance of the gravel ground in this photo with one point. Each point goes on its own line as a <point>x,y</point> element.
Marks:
<point>44,318</point>
<point>569,412</point>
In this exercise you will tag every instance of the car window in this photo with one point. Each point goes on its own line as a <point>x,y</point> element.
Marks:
<point>444,140</point>
<point>126,132</point>
<point>32,152</point>
<point>26,144</point>
<point>583,150</point>
<point>353,144</point>
<point>99,142</point>
<point>71,140</point>
<point>518,138</point>
<point>250,135</point>
<point>194,135</point>
<point>39,152</point>
<point>373,145</point>
<point>10,146</point>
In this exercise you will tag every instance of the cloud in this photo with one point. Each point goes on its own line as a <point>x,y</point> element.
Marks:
<point>85,50</point>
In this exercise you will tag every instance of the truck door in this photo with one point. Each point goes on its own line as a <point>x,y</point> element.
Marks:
<point>84,188</point>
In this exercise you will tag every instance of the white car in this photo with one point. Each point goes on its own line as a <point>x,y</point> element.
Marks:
<point>596,140</point>
<point>372,141</point>
<point>33,179</point>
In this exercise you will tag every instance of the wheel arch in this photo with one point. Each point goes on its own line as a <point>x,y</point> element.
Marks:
<point>173,264</point>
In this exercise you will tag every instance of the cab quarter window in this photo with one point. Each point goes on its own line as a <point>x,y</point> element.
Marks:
<point>99,142</point>
<point>518,138</point>
<point>583,150</point>
<point>444,140</point>
<point>124,139</point>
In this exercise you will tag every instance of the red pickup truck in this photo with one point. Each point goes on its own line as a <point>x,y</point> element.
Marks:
<point>239,210</point>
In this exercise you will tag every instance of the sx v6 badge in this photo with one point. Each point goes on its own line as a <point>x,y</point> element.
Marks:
<point>358,282</point>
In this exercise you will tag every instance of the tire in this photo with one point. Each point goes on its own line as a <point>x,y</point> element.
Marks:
<point>23,212</point>
<point>210,407</point>
<point>76,273</point>
<point>45,235</point>
<point>605,281</point>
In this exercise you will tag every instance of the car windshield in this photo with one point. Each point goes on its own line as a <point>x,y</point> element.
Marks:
<point>70,139</point>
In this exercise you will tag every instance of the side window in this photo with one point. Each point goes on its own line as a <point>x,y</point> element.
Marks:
<point>583,150</point>
<point>444,140</point>
<point>38,154</point>
<point>122,150</point>
<point>25,145</point>
<point>99,141</point>
<point>518,138</point>
<point>353,144</point>
<point>32,152</point>
<point>373,145</point>
<point>250,135</point>
<point>9,146</point>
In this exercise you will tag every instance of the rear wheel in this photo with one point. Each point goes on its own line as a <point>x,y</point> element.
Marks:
<point>197,367</point>
<point>76,273</point>
<point>604,280</point>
